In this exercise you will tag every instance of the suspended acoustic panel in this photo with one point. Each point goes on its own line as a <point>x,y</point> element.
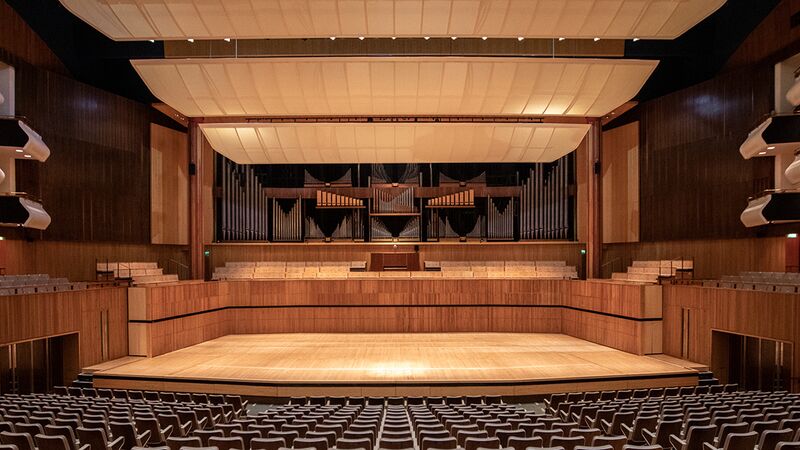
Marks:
<point>18,211</point>
<point>775,135</point>
<point>275,19</point>
<point>365,86</point>
<point>297,143</point>
<point>18,140</point>
<point>777,207</point>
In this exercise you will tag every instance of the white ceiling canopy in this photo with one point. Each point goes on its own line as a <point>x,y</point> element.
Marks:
<point>370,86</point>
<point>314,143</point>
<point>276,19</point>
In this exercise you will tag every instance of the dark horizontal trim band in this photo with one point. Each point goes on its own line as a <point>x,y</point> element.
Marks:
<point>422,383</point>
<point>477,305</point>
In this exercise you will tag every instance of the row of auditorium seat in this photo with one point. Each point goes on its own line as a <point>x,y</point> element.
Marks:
<point>783,282</point>
<point>140,273</point>
<point>688,418</point>
<point>502,269</point>
<point>36,283</point>
<point>653,271</point>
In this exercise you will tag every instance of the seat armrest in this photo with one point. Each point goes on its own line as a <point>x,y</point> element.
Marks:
<point>649,436</point>
<point>144,437</point>
<point>117,443</point>
<point>167,432</point>
<point>677,443</point>
<point>627,430</point>
<point>85,447</point>
<point>709,446</point>
<point>202,422</point>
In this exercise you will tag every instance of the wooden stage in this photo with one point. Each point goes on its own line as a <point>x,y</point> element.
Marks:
<point>283,365</point>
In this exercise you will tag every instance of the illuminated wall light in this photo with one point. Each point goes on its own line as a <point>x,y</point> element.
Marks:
<point>762,153</point>
<point>427,38</point>
<point>394,37</point>
<point>771,147</point>
<point>561,39</point>
<point>635,39</point>
<point>28,156</point>
<point>227,39</point>
<point>2,238</point>
<point>19,150</point>
<point>152,41</point>
<point>333,38</point>
<point>361,38</point>
<point>454,37</point>
<point>596,39</point>
<point>792,235</point>
<point>485,37</point>
<point>190,40</point>
<point>520,38</point>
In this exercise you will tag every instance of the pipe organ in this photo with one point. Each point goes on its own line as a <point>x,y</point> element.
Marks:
<point>500,219</point>
<point>546,211</point>
<point>394,202</point>
<point>287,220</point>
<point>242,210</point>
<point>331,200</point>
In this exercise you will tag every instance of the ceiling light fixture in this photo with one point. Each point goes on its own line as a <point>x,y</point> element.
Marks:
<point>28,156</point>
<point>190,40</point>
<point>361,38</point>
<point>152,41</point>
<point>427,38</point>
<point>227,39</point>
<point>635,39</point>
<point>19,150</point>
<point>485,37</point>
<point>771,147</point>
<point>596,39</point>
<point>394,37</point>
<point>333,38</point>
<point>454,37</point>
<point>520,38</point>
<point>561,39</point>
<point>762,153</point>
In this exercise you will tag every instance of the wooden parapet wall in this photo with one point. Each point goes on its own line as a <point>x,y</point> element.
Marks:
<point>168,318</point>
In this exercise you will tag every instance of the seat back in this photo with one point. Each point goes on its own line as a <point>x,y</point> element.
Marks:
<point>697,436</point>
<point>176,443</point>
<point>22,441</point>
<point>741,441</point>
<point>45,442</point>
<point>770,438</point>
<point>226,443</point>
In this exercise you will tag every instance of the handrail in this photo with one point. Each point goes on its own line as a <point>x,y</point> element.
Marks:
<point>772,191</point>
<point>179,267</point>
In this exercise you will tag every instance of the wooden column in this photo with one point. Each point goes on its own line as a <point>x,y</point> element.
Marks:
<point>594,238</point>
<point>196,225</point>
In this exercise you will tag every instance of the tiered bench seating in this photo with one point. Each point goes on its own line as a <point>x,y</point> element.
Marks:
<point>654,271</point>
<point>497,269</point>
<point>784,282</point>
<point>140,273</point>
<point>35,284</point>
<point>268,270</point>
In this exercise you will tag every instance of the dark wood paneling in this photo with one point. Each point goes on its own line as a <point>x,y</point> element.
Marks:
<point>19,41</point>
<point>772,40</point>
<point>694,184</point>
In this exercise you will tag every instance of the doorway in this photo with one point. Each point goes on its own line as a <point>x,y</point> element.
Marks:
<point>753,363</point>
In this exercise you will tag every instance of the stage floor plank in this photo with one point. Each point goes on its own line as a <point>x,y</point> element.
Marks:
<point>393,359</point>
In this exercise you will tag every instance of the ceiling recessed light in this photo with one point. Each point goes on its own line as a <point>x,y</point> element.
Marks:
<point>635,39</point>
<point>152,41</point>
<point>19,150</point>
<point>28,156</point>
<point>333,38</point>
<point>520,38</point>
<point>561,39</point>
<point>227,39</point>
<point>361,38</point>
<point>454,37</point>
<point>771,147</point>
<point>190,40</point>
<point>596,39</point>
<point>427,37</point>
<point>485,37</point>
<point>762,153</point>
<point>394,37</point>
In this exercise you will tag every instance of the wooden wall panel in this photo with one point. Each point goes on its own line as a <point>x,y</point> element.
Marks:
<point>712,258</point>
<point>772,40</point>
<point>27,317</point>
<point>169,186</point>
<point>621,184</point>
<point>167,318</point>
<point>753,313</point>
<point>77,260</point>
